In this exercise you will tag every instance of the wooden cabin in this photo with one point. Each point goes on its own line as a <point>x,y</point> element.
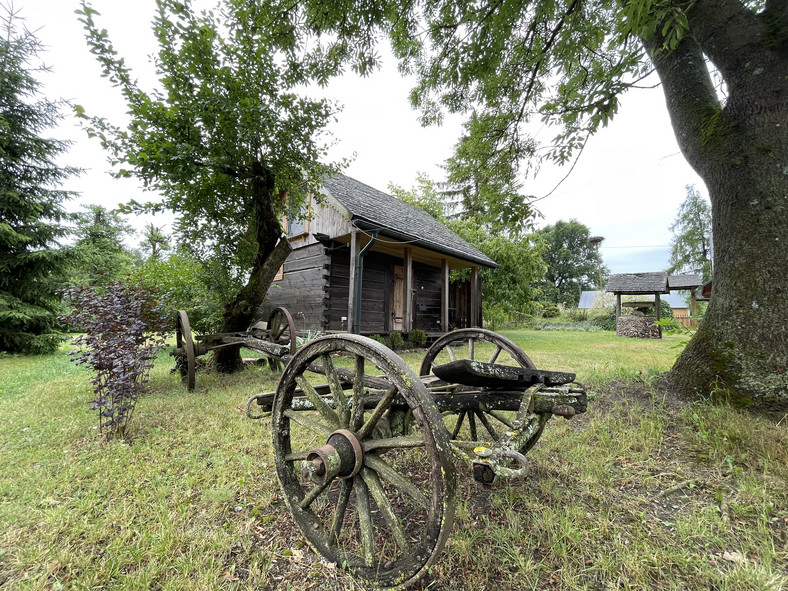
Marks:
<point>366,262</point>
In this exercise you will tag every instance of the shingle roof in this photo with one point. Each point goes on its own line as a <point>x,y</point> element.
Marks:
<point>588,299</point>
<point>684,281</point>
<point>635,283</point>
<point>373,209</point>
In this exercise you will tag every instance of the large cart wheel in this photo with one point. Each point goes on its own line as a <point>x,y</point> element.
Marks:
<point>480,345</point>
<point>186,360</point>
<point>379,505</point>
<point>281,331</point>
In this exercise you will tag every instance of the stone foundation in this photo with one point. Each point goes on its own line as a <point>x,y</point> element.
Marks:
<point>639,327</point>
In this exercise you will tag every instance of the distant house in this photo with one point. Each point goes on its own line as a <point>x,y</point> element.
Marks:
<point>367,262</point>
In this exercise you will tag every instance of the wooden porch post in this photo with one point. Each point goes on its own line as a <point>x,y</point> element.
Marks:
<point>618,305</point>
<point>657,305</point>
<point>351,296</point>
<point>408,320</point>
<point>444,295</point>
<point>475,299</point>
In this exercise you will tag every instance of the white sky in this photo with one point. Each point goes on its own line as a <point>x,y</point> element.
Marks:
<point>626,187</point>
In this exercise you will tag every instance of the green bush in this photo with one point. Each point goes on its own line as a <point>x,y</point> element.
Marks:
<point>417,338</point>
<point>378,338</point>
<point>605,321</point>
<point>551,312</point>
<point>396,341</point>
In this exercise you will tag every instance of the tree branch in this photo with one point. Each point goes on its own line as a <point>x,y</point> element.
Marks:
<point>689,92</point>
<point>725,30</point>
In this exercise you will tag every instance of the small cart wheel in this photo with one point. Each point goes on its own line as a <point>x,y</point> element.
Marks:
<point>281,331</point>
<point>479,345</point>
<point>186,361</point>
<point>377,505</point>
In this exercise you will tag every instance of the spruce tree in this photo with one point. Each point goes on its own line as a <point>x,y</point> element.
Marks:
<point>32,265</point>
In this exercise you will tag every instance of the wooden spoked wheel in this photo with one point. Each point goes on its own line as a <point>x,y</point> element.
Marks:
<point>477,344</point>
<point>186,361</point>
<point>381,506</point>
<point>281,331</point>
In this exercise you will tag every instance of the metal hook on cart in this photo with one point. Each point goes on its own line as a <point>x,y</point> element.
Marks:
<point>249,413</point>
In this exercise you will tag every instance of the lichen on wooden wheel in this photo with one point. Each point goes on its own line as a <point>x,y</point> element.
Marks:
<point>281,331</point>
<point>186,361</point>
<point>379,505</point>
<point>480,345</point>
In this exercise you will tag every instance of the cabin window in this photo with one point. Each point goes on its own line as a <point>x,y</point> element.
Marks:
<point>297,222</point>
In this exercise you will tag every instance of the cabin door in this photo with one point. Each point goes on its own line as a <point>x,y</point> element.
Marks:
<point>398,299</point>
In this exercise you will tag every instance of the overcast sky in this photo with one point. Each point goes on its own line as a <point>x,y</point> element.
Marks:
<point>627,186</point>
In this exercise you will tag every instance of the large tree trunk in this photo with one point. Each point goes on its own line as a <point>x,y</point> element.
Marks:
<point>273,248</point>
<point>740,149</point>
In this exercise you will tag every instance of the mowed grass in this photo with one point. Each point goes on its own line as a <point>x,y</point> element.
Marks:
<point>642,492</point>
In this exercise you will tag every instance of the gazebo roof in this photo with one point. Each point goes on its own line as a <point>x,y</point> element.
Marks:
<point>684,282</point>
<point>638,283</point>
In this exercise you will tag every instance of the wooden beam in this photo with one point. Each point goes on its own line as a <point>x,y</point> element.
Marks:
<point>408,263</point>
<point>351,298</point>
<point>618,305</point>
<point>475,299</point>
<point>444,295</point>
<point>657,306</point>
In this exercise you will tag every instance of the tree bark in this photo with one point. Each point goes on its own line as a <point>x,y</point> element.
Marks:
<point>740,149</point>
<point>273,248</point>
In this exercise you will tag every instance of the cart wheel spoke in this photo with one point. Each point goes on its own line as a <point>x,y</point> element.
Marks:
<point>495,354</point>
<point>472,426</point>
<point>337,393</point>
<point>387,511</point>
<point>458,425</point>
<point>484,344</point>
<point>377,413</point>
<point>486,422</point>
<point>311,424</point>
<point>313,494</point>
<point>379,505</point>
<point>366,532</point>
<point>339,512</point>
<point>396,479</point>
<point>357,414</point>
<point>320,405</point>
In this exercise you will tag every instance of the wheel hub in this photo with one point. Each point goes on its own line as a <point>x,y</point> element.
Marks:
<point>340,457</point>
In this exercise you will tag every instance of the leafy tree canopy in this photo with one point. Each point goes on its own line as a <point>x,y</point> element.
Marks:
<point>508,289</point>
<point>32,267</point>
<point>573,262</point>
<point>225,137</point>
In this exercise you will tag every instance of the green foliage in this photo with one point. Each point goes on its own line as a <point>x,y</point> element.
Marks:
<point>690,247</point>
<point>396,341</point>
<point>100,257</point>
<point>124,329</point>
<point>32,267</point>
<point>550,312</point>
<point>573,262</point>
<point>154,241</point>
<point>225,137</point>
<point>378,338</point>
<point>182,282</point>
<point>507,289</point>
<point>417,338</point>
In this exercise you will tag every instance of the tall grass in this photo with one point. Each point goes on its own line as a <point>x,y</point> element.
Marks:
<point>641,492</point>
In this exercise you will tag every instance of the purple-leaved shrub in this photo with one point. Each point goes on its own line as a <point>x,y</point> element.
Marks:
<point>124,327</point>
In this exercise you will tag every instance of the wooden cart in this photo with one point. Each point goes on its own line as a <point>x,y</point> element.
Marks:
<point>275,339</point>
<point>366,450</point>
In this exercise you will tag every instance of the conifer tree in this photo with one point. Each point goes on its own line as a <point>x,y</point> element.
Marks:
<point>32,266</point>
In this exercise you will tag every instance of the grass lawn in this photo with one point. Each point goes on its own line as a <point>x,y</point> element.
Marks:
<point>641,492</point>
